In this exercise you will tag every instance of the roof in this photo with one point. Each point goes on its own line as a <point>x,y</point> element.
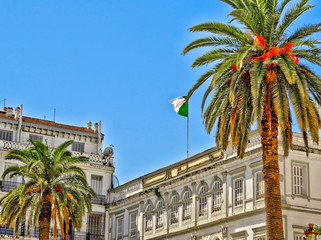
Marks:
<point>48,123</point>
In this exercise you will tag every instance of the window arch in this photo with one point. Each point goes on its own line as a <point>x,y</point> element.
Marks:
<point>203,200</point>
<point>174,209</point>
<point>217,196</point>
<point>149,218</point>
<point>160,214</point>
<point>187,204</point>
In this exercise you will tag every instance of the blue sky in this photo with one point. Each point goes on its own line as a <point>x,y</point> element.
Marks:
<point>118,61</point>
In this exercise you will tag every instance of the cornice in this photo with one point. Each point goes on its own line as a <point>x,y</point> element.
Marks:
<point>182,180</point>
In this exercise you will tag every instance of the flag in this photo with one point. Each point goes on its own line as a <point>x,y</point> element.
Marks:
<point>180,106</point>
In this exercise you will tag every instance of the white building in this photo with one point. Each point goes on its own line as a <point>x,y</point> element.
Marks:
<point>15,129</point>
<point>215,195</point>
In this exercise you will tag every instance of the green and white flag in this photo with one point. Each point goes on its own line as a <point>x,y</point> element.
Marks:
<point>180,106</point>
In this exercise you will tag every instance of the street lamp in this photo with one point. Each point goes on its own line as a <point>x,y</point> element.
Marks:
<point>311,233</point>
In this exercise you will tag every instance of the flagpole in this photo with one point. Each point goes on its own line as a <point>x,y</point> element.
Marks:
<point>187,132</point>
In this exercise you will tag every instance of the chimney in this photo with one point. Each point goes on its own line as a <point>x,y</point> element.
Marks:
<point>9,112</point>
<point>17,113</point>
<point>89,125</point>
<point>96,127</point>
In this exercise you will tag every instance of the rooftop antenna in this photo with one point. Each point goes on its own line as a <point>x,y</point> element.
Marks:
<point>54,114</point>
<point>4,103</point>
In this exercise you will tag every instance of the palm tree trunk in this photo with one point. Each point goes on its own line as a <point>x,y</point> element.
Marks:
<point>44,220</point>
<point>269,140</point>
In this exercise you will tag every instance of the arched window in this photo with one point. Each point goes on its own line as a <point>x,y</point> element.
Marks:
<point>160,214</point>
<point>174,209</point>
<point>187,202</point>
<point>149,218</point>
<point>217,196</point>
<point>203,201</point>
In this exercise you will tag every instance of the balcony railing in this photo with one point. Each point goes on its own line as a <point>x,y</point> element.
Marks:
<point>93,158</point>
<point>100,200</point>
<point>5,230</point>
<point>7,145</point>
<point>87,236</point>
<point>7,186</point>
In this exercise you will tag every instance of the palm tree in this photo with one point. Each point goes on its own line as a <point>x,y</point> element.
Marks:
<point>257,77</point>
<point>55,189</point>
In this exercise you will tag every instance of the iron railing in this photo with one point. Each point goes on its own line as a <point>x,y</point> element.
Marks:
<point>7,186</point>
<point>86,236</point>
<point>100,199</point>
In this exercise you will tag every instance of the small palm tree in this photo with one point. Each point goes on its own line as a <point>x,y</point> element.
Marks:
<point>55,189</point>
<point>257,76</point>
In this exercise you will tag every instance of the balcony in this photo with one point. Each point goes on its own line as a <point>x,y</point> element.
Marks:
<point>7,186</point>
<point>8,145</point>
<point>86,236</point>
<point>93,158</point>
<point>100,200</point>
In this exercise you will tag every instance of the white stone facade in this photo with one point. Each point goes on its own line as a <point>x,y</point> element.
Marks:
<point>215,196</point>
<point>210,196</point>
<point>15,129</point>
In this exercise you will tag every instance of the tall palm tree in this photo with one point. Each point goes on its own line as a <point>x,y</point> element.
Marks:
<point>55,189</point>
<point>256,76</point>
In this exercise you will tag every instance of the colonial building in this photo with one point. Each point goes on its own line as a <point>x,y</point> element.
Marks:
<point>210,196</point>
<point>15,129</point>
<point>214,196</point>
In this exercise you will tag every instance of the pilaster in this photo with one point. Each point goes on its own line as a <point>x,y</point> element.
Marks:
<point>194,207</point>
<point>225,195</point>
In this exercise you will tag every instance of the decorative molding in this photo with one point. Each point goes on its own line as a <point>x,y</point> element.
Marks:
<point>256,164</point>
<point>133,207</point>
<point>258,230</point>
<point>239,234</point>
<point>238,170</point>
<point>299,227</point>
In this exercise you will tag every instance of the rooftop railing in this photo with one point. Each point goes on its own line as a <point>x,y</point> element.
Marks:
<point>93,158</point>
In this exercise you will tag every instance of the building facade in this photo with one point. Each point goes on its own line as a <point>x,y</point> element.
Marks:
<point>214,196</point>
<point>16,129</point>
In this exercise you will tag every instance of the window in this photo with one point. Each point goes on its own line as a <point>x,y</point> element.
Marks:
<point>187,201</point>
<point>298,236</point>
<point>6,135</point>
<point>96,225</point>
<point>149,218</point>
<point>120,228</point>
<point>97,183</point>
<point>35,137</point>
<point>174,210</point>
<point>203,201</point>
<point>299,180</point>
<point>160,214</point>
<point>260,238</point>
<point>78,147</point>
<point>133,226</point>
<point>238,192</point>
<point>259,186</point>
<point>217,196</point>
